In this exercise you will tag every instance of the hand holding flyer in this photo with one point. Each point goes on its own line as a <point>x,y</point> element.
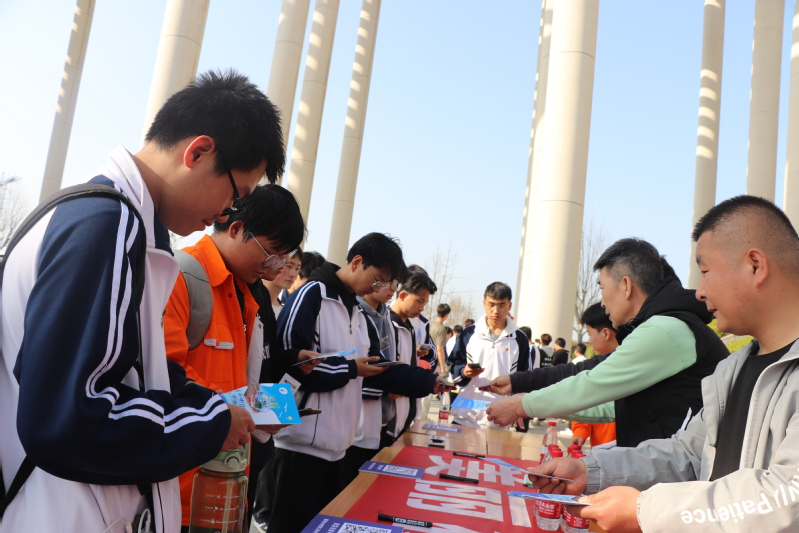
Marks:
<point>274,404</point>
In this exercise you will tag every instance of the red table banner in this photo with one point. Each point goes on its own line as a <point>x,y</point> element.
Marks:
<point>453,506</point>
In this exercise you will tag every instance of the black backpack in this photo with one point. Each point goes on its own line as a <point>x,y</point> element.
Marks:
<point>84,190</point>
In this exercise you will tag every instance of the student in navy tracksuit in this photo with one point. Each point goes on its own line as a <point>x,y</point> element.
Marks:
<point>494,347</point>
<point>324,316</point>
<point>86,392</point>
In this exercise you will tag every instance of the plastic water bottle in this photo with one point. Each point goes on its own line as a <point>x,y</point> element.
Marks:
<point>573,524</point>
<point>550,437</point>
<point>219,494</point>
<point>548,514</point>
<point>443,410</point>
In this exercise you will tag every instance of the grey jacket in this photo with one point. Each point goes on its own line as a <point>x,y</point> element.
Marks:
<point>673,473</point>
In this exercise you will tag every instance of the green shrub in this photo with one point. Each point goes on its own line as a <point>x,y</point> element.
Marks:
<point>737,344</point>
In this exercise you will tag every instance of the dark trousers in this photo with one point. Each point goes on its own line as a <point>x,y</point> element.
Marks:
<point>259,489</point>
<point>353,460</point>
<point>302,485</point>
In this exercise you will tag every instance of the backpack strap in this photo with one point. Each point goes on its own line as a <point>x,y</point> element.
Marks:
<point>201,300</point>
<point>84,190</point>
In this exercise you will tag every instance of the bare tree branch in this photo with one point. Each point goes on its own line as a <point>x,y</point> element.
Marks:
<point>441,269</point>
<point>14,207</point>
<point>592,243</point>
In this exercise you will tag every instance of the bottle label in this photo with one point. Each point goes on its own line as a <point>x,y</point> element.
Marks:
<point>574,521</point>
<point>548,509</point>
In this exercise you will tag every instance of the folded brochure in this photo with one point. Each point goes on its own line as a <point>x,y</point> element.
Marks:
<point>333,524</point>
<point>274,404</point>
<point>373,467</point>
<point>556,498</point>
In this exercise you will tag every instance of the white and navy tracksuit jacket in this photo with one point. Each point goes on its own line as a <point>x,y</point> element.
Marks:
<point>508,354</point>
<point>404,409</point>
<point>315,318</point>
<point>69,395</point>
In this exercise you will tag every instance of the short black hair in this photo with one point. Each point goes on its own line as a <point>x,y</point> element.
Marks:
<point>560,341</point>
<point>229,108</point>
<point>717,214</point>
<point>457,328</point>
<point>468,322</point>
<point>414,268</point>
<point>580,348</point>
<point>418,282</point>
<point>498,291</point>
<point>635,258</point>
<point>448,330</point>
<point>310,261</point>
<point>381,251</point>
<point>596,317</point>
<point>546,338</point>
<point>443,310</point>
<point>271,211</point>
<point>527,332</point>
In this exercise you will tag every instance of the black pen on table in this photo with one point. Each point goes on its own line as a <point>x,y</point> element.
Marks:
<point>459,478</point>
<point>405,521</point>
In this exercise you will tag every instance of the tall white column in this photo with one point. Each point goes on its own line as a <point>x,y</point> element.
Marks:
<point>67,98</point>
<point>707,134</point>
<point>558,211</point>
<point>286,59</point>
<point>527,255</point>
<point>312,103</point>
<point>178,52</point>
<point>765,98</point>
<point>791,206</point>
<point>353,132</point>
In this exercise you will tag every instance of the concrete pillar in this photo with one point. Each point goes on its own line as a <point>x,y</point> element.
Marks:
<point>558,211</point>
<point>707,135</point>
<point>312,103</point>
<point>791,206</point>
<point>178,52</point>
<point>286,59</point>
<point>527,255</point>
<point>67,98</point>
<point>765,98</point>
<point>353,132</point>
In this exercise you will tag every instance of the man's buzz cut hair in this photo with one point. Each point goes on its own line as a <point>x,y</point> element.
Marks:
<point>745,222</point>
<point>230,109</point>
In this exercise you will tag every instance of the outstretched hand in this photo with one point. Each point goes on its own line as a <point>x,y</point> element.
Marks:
<point>614,509</point>
<point>500,385</point>
<point>506,411</point>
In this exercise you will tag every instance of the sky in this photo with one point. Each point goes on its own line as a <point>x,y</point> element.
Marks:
<point>445,151</point>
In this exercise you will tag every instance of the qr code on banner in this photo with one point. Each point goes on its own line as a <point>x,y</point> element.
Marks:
<point>391,469</point>
<point>348,527</point>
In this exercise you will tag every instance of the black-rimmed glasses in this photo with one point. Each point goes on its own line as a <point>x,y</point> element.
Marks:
<point>236,207</point>
<point>273,261</point>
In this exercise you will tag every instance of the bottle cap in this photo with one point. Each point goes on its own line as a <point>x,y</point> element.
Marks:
<point>552,423</point>
<point>228,462</point>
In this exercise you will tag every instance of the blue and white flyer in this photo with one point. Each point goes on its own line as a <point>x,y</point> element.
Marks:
<point>468,403</point>
<point>373,467</point>
<point>274,404</point>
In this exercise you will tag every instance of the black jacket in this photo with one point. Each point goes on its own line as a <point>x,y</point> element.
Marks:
<point>658,412</point>
<point>539,378</point>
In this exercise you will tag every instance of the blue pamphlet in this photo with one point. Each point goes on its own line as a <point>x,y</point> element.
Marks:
<point>442,428</point>
<point>467,403</point>
<point>332,524</point>
<point>373,467</point>
<point>556,498</point>
<point>274,404</point>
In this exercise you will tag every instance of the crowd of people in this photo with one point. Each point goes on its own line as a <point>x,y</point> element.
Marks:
<point>116,349</point>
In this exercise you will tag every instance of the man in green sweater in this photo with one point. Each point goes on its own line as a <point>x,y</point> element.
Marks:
<point>651,384</point>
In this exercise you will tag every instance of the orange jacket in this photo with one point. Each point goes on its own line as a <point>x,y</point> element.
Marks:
<point>596,433</point>
<point>220,362</point>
